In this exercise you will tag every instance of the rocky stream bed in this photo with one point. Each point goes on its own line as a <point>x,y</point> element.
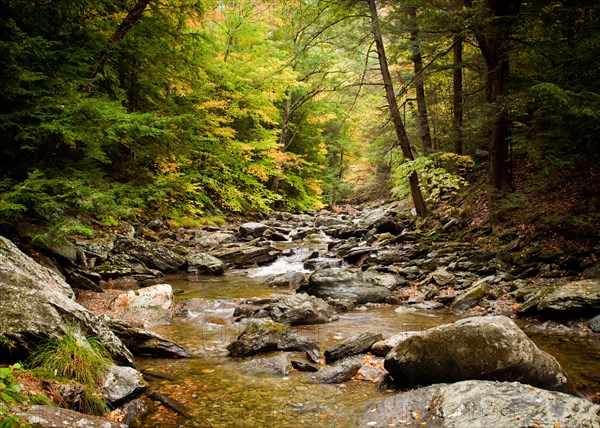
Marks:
<point>363,318</point>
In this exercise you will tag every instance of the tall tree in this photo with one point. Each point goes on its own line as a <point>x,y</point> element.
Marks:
<point>492,27</point>
<point>457,95</point>
<point>417,59</point>
<point>417,196</point>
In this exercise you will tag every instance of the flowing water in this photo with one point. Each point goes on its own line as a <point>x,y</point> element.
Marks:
<point>219,391</point>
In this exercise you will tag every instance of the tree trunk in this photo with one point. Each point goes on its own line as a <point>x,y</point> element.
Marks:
<point>415,189</point>
<point>132,18</point>
<point>422,118</point>
<point>457,92</point>
<point>493,40</point>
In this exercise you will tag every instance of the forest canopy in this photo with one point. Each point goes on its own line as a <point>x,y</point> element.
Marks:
<point>184,108</point>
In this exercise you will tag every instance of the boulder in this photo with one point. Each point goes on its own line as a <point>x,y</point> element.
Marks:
<point>481,404</point>
<point>204,263</point>
<point>152,254</point>
<point>485,348</point>
<point>252,230</point>
<point>298,309</point>
<point>344,284</point>
<point>595,324</point>
<point>55,417</point>
<point>287,279</point>
<point>122,384</point>
<point>349,347</point>
<point>213,239</point>
<point>342,371</point>
<point>442,277</point>
<point>146,343</point>
<point>470,297</point>
<point>265,335</point>
<point>577,298</point>
<point>243,255</point>
<point>37,305</point>
<point>383,347</point>
<point>151,305</point>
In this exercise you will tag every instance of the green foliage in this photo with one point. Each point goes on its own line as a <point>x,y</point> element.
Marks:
<point>436,181</point>
<point>74,357</point>
<point>10,391</point>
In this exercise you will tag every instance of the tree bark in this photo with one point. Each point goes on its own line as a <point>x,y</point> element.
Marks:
<point>457,93</point>
<point>415,189</point>
<point>132,18</point>
<point>493,39</point>
<point>422,118</point>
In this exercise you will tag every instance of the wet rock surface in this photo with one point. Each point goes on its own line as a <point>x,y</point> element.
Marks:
<point>486,348</point>
<point>37,305</point>
<point>53,417</point>
<point>481,404</point>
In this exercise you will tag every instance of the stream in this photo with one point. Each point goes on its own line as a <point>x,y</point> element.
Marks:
<point>220,391</point>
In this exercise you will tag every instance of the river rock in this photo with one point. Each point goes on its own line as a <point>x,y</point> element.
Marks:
<point>382,279</point>
<point>349,347</point>
<point>151,305</point>
<point>277,365</point>
<point>265,335</point>
<point>342,371</point>
<point>37,305</point>
<point>207,240</point>
<point>287,279</point>
<point>300,309</point>
<point>252,230</point>
<point>470,297</point>
<point>146,343</point>
<point>243,255</point>
<point>486,348</point>
<point>595,324</point>
<point>204,263</point>
<point>344,284</point>
<point>152,254</point>
<point>481,404</point>
<point>383,347</point>
<point>121,384</point>
<point>55,417</point>
<point>576,298</point>
<point>442,277</point>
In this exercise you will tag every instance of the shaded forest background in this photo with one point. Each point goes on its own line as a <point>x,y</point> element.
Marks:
<point>192,110</point>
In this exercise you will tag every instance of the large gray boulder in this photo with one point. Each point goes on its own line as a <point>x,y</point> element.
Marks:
<point>344,284</point>
<point>572,299</point>
<point>54,417</point>
<point>37,305</point>
<point>481,404</point>
<point>486,348</point>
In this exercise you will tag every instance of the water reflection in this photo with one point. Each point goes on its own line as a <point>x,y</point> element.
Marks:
<point>219,394</point>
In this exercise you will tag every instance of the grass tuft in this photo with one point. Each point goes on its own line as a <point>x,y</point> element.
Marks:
<point>74,357</point>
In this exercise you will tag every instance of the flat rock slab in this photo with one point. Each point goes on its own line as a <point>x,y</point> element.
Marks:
<point>344,284</point>
<point>481,404</point>
<point>572,299</point>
